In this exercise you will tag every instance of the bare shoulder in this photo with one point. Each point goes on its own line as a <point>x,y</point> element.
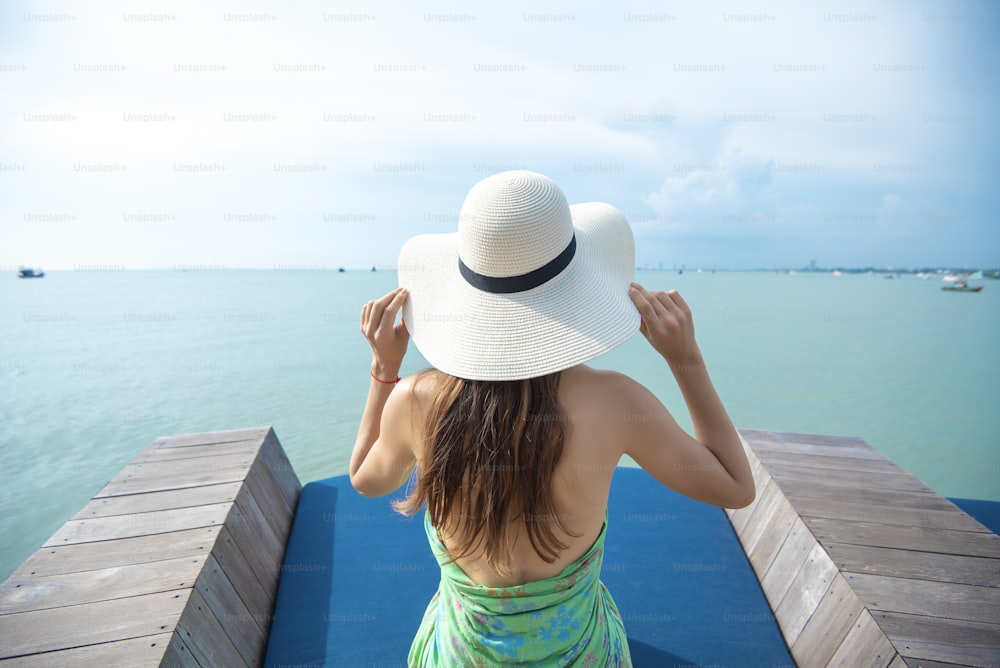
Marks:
<point>597,403</point>
<point>612,388</point>
<point>419,389</point>
<point>601,398</point>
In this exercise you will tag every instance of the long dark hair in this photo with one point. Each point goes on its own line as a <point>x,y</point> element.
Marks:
<point>490,448</point>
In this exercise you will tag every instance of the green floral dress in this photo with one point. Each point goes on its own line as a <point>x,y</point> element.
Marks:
<point>566,620</point>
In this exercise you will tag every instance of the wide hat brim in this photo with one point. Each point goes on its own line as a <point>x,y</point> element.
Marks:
<point>580,314</point>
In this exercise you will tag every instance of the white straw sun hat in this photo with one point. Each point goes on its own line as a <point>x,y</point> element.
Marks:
<point>528,286</point>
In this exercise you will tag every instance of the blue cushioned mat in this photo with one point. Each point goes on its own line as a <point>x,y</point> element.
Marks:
<point>357,577</point>
<point>985,512</point>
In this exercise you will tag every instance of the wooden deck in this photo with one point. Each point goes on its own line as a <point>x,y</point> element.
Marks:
<point>175,562</point>
<point>864,565</point>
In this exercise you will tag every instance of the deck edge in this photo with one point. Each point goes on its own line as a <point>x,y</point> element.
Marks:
<point>823,615</point>
<point>227,607</point>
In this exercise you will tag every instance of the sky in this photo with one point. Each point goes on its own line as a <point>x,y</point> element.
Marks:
<point>315,135</point>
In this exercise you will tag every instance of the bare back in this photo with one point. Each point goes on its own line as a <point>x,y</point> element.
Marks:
<point>593,445</point>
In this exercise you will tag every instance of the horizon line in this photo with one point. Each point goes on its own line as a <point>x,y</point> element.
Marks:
<point>211,267</point>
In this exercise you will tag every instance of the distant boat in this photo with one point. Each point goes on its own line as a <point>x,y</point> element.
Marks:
<point>956,284</point>
<point>373,268</point>
<point>341,270</point>
<point>961,286</point>
<point>25,272</point>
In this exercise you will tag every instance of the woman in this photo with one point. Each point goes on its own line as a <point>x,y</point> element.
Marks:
<point>514,439</point>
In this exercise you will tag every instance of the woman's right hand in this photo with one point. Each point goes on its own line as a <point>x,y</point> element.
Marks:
<point>667,325</point>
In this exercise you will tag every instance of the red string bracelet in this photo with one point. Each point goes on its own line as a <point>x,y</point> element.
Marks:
<point>385,382</point>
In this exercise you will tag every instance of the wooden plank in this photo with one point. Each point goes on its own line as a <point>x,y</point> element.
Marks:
<point>92,623</point>
<point>835,615</point>
<point>152,476</point>
<point>870,494</point>
<point>823,462</point>
<point>762,554</point>
<point>770,498</point>
<point>264,542</point>
<point>767,450</point>
<point>271,503</point>
<point>740,517</point>
<point>794,441</point>
<point>125,551</point>
<point>884,479</point>
<point>923,639</point>
<point>924,663</point>
<point>139,524</point>
<point>805,593</point>
<point>178,654</point>
<point>132,652</point>
<point>165,481</point>
<point>174,467</point>
<point>259,600</point>
<point>264,524</point>
<point>238,623</point>
<point>205,637</point>
<point>165,453</point>
<point>915,564</point>
<point>949,600</point>
<point>885,514</point>
<point>798,438</point>
<point>793,553</point>
<point>264,566</point>
<point>212,437</point>
<point>816,448</point>
<point>103,584</point>
<point>943,541</point>
<point>128,504</point>
<point>756,467</point>
<point>864,646</point>
<point>271,526</point>
<point>278,468</point>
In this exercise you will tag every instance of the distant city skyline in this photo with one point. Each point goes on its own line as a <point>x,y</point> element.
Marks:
<point>307,135</point>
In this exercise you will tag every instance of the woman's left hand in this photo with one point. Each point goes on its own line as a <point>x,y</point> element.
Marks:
<point>387,339</point>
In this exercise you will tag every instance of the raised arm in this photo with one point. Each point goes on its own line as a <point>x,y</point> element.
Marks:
<point>383,454</point>
<point>712,466</point>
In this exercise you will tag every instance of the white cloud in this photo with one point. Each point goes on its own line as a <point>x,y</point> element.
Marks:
<point>734,188</point>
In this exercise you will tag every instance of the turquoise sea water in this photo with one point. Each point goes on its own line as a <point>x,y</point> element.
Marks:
<point>95,365</point>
